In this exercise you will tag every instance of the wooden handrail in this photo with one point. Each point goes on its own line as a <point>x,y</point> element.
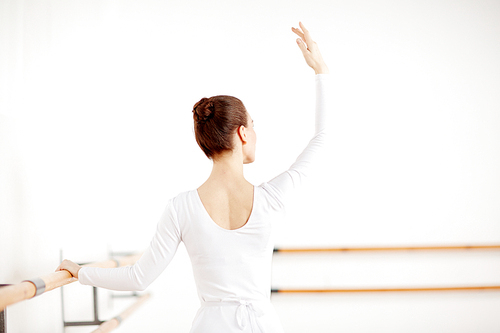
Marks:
<point>111,324</point>
<point>364,290</point>
<point>388,248</point>
<point>395,248</point>
<point>27,289</point>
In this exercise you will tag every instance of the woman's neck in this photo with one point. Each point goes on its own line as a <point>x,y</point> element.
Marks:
<point>228,169</point>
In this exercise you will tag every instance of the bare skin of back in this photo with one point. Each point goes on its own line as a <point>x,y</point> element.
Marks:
<point>228,204</point>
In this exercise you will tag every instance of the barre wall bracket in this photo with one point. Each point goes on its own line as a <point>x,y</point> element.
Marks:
<point>39,285</point>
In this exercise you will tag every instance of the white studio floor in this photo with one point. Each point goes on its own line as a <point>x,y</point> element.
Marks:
<point>380,312</point>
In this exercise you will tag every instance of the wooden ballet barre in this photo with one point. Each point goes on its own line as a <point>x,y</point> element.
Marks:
<point>364,290</point>
<point>30,288</point>
<point>395,248</point>
<point>111,324</point>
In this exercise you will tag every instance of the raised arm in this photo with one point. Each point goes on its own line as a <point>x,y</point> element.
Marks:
<point>280,186</point>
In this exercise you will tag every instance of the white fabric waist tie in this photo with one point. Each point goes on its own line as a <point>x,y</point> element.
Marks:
<point>247,310</point>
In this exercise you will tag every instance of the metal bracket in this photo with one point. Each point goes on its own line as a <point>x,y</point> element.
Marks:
<point>96,320</point>
<point>118,319</point>
<point>39,285</point>
<point>116,261</point>
<point>3,316</point>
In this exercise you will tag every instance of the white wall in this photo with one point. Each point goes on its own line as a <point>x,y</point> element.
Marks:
<point>96,134</point>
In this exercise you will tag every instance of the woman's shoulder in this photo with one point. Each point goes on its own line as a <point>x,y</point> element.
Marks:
<point>269,195</point>
<point>182,206</point>
<point>182,198</point>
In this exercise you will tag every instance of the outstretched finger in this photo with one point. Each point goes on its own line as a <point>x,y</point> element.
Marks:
<point>307,36</point>
<point>298,33</point>
<point>303,47</point>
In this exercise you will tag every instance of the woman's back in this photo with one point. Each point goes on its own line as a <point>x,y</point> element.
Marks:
<point>229,203</point>
<point>231,267</point>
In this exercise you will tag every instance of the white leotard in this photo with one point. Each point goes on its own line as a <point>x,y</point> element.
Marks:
<point>232,268</point>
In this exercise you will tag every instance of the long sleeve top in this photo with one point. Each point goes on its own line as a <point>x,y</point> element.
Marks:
<point>227,264</point>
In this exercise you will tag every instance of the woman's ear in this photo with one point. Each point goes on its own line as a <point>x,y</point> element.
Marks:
<point>242,134</point>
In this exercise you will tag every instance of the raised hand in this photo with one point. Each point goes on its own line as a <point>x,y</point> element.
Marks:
<point>310,50</point>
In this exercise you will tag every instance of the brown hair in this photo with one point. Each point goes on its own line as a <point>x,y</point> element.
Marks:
<point>215,121</point>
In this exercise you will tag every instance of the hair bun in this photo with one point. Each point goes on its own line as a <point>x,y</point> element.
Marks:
<point>203,110</point>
